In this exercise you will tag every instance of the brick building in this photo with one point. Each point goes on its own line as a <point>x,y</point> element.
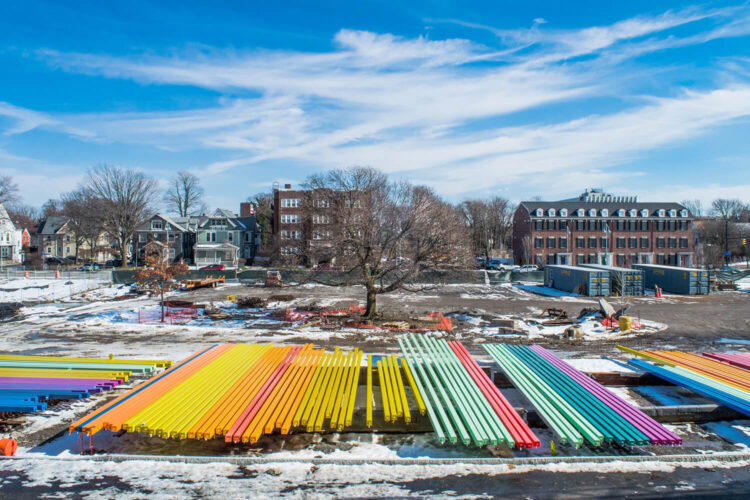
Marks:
<point>603,228</point>
<point>302,219</point>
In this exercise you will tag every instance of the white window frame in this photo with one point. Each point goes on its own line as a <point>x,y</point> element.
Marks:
<point>539,212</point>
<point>644,212</point>
<point>563,212</point>
<point>580,212</point>
<point>621,212</point>
<point>290,218</point>
<point>683,213</point>
<point>632,212</point>
<point>290,202</point>
<point>661,212</point>
<point>592,212</point>
<point>673,213</point>
<point>605,212</point>
<point>551,212</point>
<point>156,225</point>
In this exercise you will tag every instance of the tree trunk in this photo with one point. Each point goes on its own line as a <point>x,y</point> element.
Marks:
<point>162,304</point>
<point>372,308</point>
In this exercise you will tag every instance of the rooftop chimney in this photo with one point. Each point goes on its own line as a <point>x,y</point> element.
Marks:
<point>247,209</point>
<point>287,186</point>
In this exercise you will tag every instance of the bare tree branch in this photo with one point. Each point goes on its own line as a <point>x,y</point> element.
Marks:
<point>185,195</point>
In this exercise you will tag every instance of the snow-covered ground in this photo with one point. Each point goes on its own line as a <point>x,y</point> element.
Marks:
<point>45,290</point>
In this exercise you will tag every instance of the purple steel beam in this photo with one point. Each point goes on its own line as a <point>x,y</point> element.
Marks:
<point>656,432</point>
<point>59,381</point>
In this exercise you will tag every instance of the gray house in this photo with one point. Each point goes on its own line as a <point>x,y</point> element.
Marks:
<point>176,234</point>
<point>224,238</point>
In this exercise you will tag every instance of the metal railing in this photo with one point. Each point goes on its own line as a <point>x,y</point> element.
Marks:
<point>100,275</point>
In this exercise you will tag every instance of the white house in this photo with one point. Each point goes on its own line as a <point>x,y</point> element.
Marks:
<point>11,248</point>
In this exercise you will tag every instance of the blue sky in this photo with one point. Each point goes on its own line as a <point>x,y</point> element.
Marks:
<point>472,98</point>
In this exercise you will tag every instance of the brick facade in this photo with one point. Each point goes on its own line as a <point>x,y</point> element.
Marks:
<point>603,229</point>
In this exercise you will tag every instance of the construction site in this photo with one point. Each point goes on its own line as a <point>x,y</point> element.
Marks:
<point>243,383</point>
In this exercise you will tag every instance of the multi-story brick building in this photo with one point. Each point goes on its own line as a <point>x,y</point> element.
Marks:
<point>602,228</point>
<point>305,222</point>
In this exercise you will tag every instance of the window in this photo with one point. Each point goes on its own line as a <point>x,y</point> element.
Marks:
<point>67,249</point>
<point>539,212</point>
<point>621,212</point>
<point>592,242</point>
<point>632,225</point>
<point>672,225</point>
<point>621,225</point>
<point>580,242</point>
<point>620,259</point>
<point>644,242</point>
<point>580,225</point>
<point>229,236</point>
<point>563,212</point>
<point>579,212</point>
<point>592,258</point>
<point>292,234</point>
<point>592,225</point>
<point>683,242</point>
<point>290,218</point>
<point>644,212</point>
<point>321,219</point>
<point>672,259</point>
<point>660,212</point>
<point>319,234</point>
<point>551,225</point>
<point>538,242</point>
<point>142,237</point>
<point>660,258</point>
<point>211,237</point>
<point>633,258</point>
<point>156,225</point>
<point>562,225</point>
<point>289,250</point>
<point>321,203</point>
<point>7,237</point>
<point>683,213</point>
<point>355,203</point>
<point>683,225</point>
<point>632,242</point>
<point>644,225</point>
<point>538,225</point>
<point>592,212</point>
<point>563,242</point>
<point>290,202</point>
<point>550,242</point>
<point>605,212</point>
<point>551,212</point>
<point>660,225</point>
<point>660,242</point>
<point>580,259</point>
<point>672,242</point>
<point>673,213</point>
<point>620,242</point>
<point>550,259</point>
<point>632,212</point>
<point>603,242</point>
<point>172,237</point>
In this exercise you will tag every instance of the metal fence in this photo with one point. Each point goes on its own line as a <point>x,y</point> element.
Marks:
<point>11,274</point>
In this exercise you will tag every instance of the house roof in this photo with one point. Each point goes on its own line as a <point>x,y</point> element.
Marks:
<point>52,225</point>
<point>611,206</point>
<point>247,223</point>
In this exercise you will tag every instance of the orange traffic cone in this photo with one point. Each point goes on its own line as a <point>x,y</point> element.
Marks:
<point>658,291</point>
<point>8,446</point>
<point>26,274</point>
<point>57,274</point>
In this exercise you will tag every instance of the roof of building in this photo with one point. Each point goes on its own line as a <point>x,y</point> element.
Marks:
<point>598,199</point>
<point>52,225</point>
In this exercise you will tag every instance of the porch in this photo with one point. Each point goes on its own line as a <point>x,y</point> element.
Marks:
<point>207,254</point>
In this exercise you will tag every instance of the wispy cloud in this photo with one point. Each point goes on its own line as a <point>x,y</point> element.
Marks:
<point>452,112</point>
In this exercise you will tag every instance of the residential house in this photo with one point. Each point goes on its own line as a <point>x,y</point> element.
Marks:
<point>602,228</point>
<point>11,244</point>
<point>55,238</point>
<point>176,234</point>
<point>224,238</point>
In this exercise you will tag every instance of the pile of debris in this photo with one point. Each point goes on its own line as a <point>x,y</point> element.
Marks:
<point>10,310</point>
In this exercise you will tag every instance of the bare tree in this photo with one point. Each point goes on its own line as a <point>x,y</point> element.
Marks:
<point>490,222</point>
<point>185,195</point>
<point>159,274</point>
<point>382,232</point>
<point>127,198</point>
<point>8,190</point>
<point>51,208</point>
<point>526,250</point>
<point>23,215</point>
<point>727,209</point>
<point>694,206</point>
<point>85,213</point>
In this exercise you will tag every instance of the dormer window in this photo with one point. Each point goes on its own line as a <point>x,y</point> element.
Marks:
<point>563,212</point>
<point>621,212</point>
<point>579,212</point>
<point>539,212</point>
<point>660,213</point>
<point>673,213</point>
<point>632,212</point>
<point>605,212</point>
<point>683,213</point>
<point>592,212</point>
<point>551,212</point>
<point>644,212</point>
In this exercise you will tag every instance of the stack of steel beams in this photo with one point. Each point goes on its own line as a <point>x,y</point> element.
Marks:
<point>28,382</point>
<point>574,407</point>
<point>459,402</point>
<point>741,360</point>
<point>715,380</point>
<point>238,392</point>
